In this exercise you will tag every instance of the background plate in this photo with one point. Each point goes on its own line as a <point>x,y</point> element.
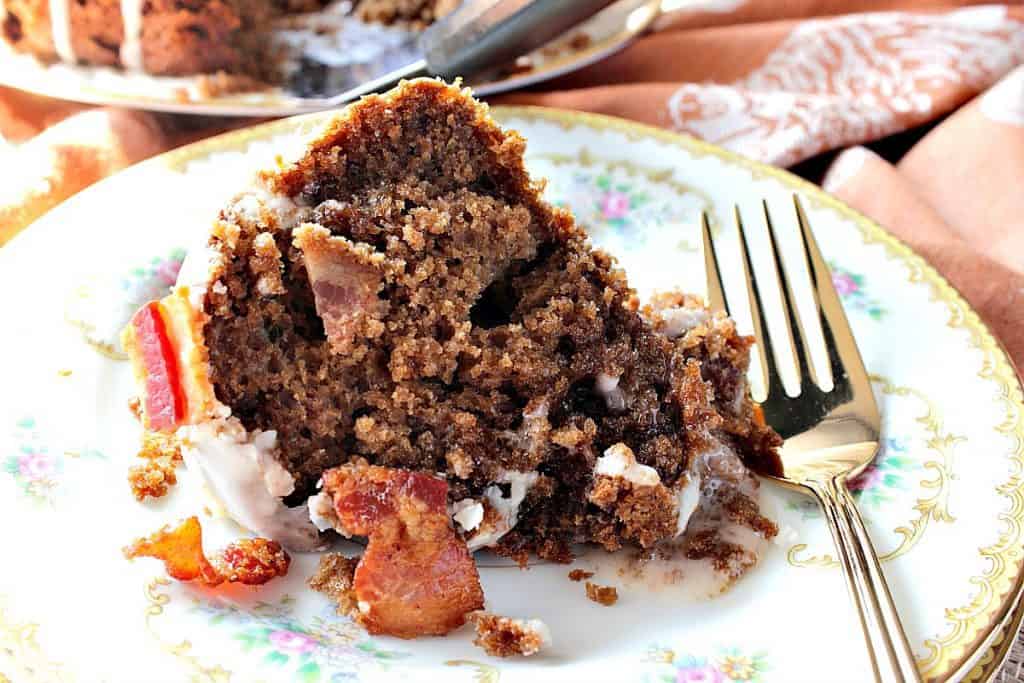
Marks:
<point>944,500</point>
<point>606,33</point>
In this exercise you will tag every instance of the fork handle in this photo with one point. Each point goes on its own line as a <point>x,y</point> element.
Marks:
<point>888,649</point>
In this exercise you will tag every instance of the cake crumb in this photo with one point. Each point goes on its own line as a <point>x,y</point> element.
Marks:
<point>135,407</point>
<point>334,578</point>
<point>152,479</point>
<point>161,455</point>
<point>506,637</point>
<point>579,575</point>
<point>602,595</point>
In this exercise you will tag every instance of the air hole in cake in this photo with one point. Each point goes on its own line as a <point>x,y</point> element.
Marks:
<point>566,346</point>
<point>444,330</point>
<point>106,46</point>
<point>197,31</point>
<point>494,307</point>
<point>12,27</point>
<point>583,399</point>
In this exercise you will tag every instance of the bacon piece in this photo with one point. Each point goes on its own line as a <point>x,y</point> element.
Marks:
<point>171,362</point>
<point>163,398</point>
<point>251,561</point>
<point>416,577</point>
<point>345,279</point>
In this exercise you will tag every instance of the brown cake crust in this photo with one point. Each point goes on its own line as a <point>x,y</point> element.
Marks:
<point>96,31</point>
<point>496,324</point>
<point>26,26</point>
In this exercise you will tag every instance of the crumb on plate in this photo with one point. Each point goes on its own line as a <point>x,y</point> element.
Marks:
<point>335,578</point>
<point>161,454</point>
<point>602,595</point>
<point>506,637</point>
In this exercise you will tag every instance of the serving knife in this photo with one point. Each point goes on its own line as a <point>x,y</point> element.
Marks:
<point>478,35</point>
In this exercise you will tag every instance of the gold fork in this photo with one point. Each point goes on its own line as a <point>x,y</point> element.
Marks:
<point>830,435</point>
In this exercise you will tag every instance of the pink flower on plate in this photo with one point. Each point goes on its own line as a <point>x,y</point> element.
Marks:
<point>168,271</point>
<point>700,674</point>
<point>844,284</point>
<point>614,205</point>
<point>290,641</point>
<point>865,480</point>
<point>36,466</point>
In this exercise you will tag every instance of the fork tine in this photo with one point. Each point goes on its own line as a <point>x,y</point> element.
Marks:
<point>791,314</point>
<point>769,371</point>
<point>716,291</point>
<point>844,357</point>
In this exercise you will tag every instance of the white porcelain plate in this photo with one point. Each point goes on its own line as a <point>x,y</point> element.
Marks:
<point>944,500</point>
<point>349,42</point>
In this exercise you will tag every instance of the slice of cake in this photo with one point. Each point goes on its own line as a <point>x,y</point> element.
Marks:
<point>395,337</point>
<point>177,38</point>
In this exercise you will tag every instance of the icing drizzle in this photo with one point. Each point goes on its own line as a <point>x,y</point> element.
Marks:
<point>131,44</point>
<point>60,25</point>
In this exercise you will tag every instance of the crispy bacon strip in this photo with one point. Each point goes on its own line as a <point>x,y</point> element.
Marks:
<point>252,561</point>
<point>345,279</point>
<point>416,577</point>
<point>170,361</point>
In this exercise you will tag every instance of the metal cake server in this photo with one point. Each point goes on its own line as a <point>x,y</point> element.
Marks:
<point>477,36</point>
<point>830,434</point>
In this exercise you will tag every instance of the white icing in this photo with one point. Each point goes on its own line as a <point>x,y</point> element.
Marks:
<point>252,205</point>
<point>537,412</point>
<point>531,435</point>
<point>507,509</point>
<point>468,513</point>
<point>60,26</point>
<point>687,499</point>
<point>322,512</point>
<point>539,629</point>
<point>619,461</point>
<point>195,272</point>
<point>679,321</point>
<point>131,44</point>
<point>608,387</point>
<point>240,471</point>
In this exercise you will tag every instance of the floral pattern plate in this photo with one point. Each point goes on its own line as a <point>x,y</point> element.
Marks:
<point>944,499</point>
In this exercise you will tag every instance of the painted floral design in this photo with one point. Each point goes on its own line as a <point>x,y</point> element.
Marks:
<point>730,665</point>
<point>617,210</point>
<point>34,467</point>
<point>152,280</point>
<point>35,470</point>
<point>327,649</point>
<point>880,483</point>
<point>101,307</point>
<point>886,476</point>
<point>600,201</point>
<point>850,287</point>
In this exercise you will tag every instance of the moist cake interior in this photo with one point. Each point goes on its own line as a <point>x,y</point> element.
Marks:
<point>475,333</point>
